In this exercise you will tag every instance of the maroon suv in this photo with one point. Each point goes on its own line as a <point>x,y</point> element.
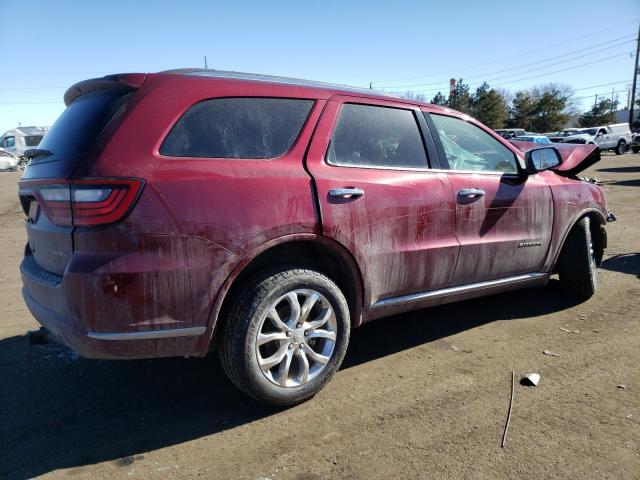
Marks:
<point>174,213</point>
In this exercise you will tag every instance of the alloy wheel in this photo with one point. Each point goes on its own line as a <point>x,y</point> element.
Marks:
<point>296,338</point>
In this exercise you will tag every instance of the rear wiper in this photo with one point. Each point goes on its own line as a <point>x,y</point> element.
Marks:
<point>37,152</point>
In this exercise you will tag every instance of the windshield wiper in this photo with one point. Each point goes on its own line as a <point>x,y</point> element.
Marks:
<point>37,152</point>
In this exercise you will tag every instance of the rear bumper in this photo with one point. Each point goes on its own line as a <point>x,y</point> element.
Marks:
<point>115,345</point>
<point>51,298</point>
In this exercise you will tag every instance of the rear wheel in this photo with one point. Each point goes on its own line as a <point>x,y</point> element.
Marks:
<point>621,147</point>
<point>285,336</point>
<point>636,149</point>
<point>577,262</point>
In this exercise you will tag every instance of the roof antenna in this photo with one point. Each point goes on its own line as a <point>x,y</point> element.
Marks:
<point>205,63</point>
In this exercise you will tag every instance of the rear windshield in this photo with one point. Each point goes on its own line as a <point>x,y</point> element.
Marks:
<point>237,128</point>
<point>80,124</point>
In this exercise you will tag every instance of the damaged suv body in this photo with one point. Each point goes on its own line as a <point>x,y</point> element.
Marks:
<point>177,213</point>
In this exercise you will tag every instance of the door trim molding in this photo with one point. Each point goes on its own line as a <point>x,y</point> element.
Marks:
<point>445,292</point>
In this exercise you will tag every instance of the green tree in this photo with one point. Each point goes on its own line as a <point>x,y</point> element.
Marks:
<point>522,110</point>
<point>460,98</point>
<point>439,99</point>
<point>636,122</point>
<point>552,109</point>
<point>602,113</point>
<point>489,106</point>
<point>542,109</point>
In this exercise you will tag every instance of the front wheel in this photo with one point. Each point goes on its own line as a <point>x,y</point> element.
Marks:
<point>621,147</point>
<point>285,336</point>
<point>577,262</point>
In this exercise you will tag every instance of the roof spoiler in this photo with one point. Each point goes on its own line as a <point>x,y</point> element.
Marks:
<point>125,82</point>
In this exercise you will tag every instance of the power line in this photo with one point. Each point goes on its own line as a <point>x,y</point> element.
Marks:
<point>600,95</point>
<point>601,85</point>
<point>518,55</point>
<point>527,78</point>
<point>53,73</point>
<point>533,63</point>
<point>29,103</point>
<point>32,88</point>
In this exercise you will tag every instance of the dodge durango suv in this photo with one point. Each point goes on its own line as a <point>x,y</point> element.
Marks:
<point>192,211</point>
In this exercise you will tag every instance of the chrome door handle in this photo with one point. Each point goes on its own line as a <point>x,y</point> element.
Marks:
<point>471,193</point>
<point>346,192</point>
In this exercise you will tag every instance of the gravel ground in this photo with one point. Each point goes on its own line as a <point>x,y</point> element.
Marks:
<point>421,395</point>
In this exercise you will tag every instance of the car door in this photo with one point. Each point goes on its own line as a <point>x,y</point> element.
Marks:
<point>603,138</point>
<point>378,197</point>
<point>503,217</point>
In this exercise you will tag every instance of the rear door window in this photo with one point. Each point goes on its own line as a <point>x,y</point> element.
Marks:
<point>251,128</point>
<point>373,136</point>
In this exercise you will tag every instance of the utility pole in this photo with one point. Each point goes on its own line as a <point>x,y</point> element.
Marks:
<point>635,77</point>
<point>612,90</point>
<point>205,63</point>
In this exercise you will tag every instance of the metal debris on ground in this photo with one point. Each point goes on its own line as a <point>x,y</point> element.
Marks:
<point>531,379</point>
<point>513,394</point>
<point>569,331</point>
<point>550,353</point>
<point>621,387</point>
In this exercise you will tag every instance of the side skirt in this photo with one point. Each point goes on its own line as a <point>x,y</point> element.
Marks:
<point>415,301</point>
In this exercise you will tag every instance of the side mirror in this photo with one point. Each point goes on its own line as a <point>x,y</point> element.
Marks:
<point>543,158</point>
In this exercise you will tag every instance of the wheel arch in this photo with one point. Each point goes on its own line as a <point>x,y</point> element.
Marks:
<point>597,221</point>
<point>309,250</point>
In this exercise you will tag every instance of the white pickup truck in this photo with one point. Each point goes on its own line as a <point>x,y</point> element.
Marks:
<point>615,137</point>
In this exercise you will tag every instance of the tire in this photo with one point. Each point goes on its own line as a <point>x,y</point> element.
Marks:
<point>250,318</point>
<point>621,147</point>
<point>635,149</point>
<point>577,264</point>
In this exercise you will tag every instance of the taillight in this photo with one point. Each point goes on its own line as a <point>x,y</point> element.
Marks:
<point>88,202</point>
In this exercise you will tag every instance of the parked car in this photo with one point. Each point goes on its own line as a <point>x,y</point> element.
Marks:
<point>17,140</point>
<point>559,137</point>
<point>532,138</point>
<point>635,142</point>
<point>177,213</point>
<point>8,161</point>
<point>511,133</point>
<point>610,137</point>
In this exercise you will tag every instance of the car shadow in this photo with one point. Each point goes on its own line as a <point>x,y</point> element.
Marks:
<point>60,411</point>
<point>626,263</point>
<point>623,183</point>
<point>633,169</point>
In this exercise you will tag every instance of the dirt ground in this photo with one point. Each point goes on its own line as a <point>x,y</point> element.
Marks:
<point>420,396</point>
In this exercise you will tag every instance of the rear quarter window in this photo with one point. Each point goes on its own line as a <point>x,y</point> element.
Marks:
<point>251,128</point>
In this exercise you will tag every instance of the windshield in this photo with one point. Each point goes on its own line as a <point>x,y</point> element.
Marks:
<point>588,131</point>
<point>80,124</point>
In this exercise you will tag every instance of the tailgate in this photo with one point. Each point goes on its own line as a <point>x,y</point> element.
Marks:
<point>44,191</point>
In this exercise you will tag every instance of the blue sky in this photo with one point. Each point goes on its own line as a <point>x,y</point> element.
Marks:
<point>50,45</point>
